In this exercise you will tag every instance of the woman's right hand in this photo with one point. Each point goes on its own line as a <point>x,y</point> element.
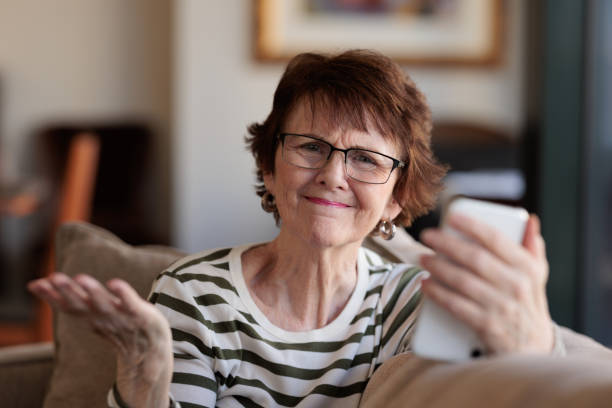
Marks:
<point>137,330</point>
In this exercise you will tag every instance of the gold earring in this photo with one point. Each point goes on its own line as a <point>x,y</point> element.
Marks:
<point>386,229</point>
<point>268,203</point>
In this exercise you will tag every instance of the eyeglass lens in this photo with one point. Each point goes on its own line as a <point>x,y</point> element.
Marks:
<point>362,165</point>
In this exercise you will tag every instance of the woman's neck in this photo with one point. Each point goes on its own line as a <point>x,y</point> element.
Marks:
<point>300,287</point>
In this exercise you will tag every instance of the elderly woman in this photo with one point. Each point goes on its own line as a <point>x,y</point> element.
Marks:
<point>305,320</point>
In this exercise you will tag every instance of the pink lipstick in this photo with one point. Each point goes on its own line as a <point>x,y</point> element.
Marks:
<point>322,201</point>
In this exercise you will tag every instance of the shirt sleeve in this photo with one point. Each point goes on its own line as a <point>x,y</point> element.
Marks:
<point>401,300</point>
<point>559,346</point>
<point>193,381</point>
<point>114,400</point>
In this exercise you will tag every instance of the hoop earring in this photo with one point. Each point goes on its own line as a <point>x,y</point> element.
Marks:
<point>386,229</point>
<point>268,204</point>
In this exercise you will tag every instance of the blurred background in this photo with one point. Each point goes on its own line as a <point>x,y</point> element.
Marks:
<point>131,114</point>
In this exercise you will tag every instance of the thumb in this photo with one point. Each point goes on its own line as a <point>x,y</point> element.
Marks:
<point>532,240</point>
<point>129,299</point>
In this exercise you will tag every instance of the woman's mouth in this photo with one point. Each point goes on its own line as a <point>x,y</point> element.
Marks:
<point>322,201</point>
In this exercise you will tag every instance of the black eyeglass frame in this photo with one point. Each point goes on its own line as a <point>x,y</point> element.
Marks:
<point>397,164</point>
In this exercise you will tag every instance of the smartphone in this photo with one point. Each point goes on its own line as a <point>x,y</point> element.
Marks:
<point>438,335</point>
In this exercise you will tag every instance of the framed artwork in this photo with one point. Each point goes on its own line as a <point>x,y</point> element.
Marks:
<point>434,32</point>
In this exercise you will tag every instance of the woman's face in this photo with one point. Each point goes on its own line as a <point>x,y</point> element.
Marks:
<point>324,206</point>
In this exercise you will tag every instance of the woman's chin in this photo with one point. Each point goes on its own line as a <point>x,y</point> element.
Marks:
<point>328,237</point>
<point>323,232</point>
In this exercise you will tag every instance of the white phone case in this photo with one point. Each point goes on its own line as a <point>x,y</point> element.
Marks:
<point>438,335</point>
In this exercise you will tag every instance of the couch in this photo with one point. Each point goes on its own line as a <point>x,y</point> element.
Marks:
<point>78,368</point>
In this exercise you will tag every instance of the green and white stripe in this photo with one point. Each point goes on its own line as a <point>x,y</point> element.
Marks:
<point>227,353</point>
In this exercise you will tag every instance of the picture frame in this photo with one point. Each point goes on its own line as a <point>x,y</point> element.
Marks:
<point>467,32</point>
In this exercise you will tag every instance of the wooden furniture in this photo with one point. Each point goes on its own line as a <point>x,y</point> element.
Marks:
<point>75,202</point>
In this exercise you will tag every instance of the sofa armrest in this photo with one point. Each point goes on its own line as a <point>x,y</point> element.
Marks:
<point>510,381</point>
<point>24,374</point>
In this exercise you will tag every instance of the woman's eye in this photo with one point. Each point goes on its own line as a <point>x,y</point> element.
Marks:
<point>311,147</point>
<point>364,159</point>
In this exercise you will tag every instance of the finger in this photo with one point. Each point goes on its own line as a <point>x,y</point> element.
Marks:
<point>146,319</point>
<point>119,319</point>
<point>490,238</point>
<point>468,312</point>
<point>112,319</point>
<point>462,281</point>
<point>73,295</point>
<point>533,241</point>
<point>44,290</point>
<point>531,262</point>
<point>129,299</point>
<point>463,309</point>
<point>100,299</point>
<point>471,256</point>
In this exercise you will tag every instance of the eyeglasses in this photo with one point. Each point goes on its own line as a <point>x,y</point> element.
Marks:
<point>363,165</point>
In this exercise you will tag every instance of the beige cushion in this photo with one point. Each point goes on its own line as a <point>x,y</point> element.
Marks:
<point>85,365</point>
<point>502,382</point>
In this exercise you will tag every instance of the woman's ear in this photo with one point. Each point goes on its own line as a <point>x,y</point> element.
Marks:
<point>268,179</point>
<point>392,210</point>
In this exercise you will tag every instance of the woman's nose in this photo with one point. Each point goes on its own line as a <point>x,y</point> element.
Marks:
<point>334,171</point>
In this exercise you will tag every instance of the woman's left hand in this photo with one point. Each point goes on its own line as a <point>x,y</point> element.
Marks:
<point>492,284</point>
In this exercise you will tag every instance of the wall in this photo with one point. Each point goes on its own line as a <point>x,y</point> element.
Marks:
<point>219,90</point>
<point>85,60</point>
<point>595,281</point>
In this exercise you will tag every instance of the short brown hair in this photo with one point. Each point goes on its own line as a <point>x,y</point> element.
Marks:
<point>357,89</point>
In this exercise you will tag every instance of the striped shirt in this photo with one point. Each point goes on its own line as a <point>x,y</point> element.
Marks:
<point>228,354</point>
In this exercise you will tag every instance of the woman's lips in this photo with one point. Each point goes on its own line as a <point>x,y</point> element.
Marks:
<point>322,201</point>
